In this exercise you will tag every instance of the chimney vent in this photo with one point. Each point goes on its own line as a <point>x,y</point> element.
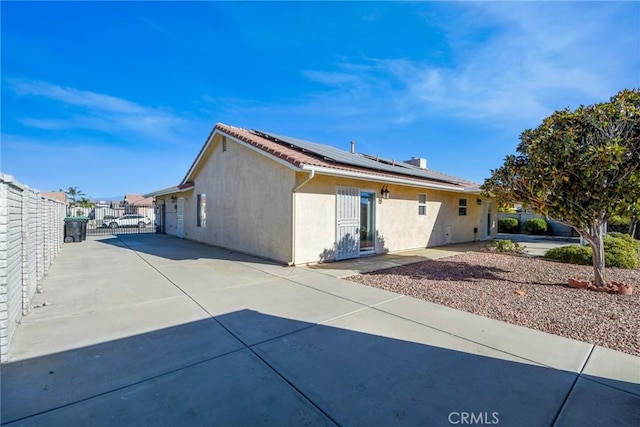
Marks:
<point>353,147</point>
<point>417,161</point>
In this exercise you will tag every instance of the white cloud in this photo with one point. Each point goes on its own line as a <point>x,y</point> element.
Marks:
<point>72,96</point>
<point>101,112</point>
<point>511,63</point>
<point>537,57</point>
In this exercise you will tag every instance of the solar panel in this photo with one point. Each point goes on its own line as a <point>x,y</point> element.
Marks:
<point>365,161</point>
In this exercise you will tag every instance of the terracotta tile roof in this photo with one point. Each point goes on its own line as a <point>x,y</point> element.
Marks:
<point>298,157</point>
<point>58,195</point>
<point>288,154</point>
<point>137,199</point>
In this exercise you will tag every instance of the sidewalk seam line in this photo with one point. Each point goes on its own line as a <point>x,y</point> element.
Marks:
<point>573,386</point>
<point>610,386</point>
<point>340,316</point>
<point>463,338</point>
<point>123,387</point>
<point>276,372</point>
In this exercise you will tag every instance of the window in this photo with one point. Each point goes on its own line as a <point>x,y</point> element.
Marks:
<point>422,204</point>
<point>462,206</point>
<point>201,212</point>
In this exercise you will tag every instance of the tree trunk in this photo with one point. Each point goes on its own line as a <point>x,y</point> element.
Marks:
<point>597,245</point>
<point>595,238</point>
<point>633,226</point>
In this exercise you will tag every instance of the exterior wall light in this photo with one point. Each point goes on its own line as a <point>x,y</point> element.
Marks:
<point>384,192</point>
<point>173,199</point>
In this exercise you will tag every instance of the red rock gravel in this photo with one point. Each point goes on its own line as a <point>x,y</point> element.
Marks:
<point>525,291</point>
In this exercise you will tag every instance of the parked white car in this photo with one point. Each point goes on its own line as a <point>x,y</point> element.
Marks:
<point>130,220</point>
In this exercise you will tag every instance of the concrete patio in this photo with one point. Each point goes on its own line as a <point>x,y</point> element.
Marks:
<point>154,330</point>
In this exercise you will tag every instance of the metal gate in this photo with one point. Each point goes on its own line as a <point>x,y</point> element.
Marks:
<point>348,223</point>
<point>117,218</point>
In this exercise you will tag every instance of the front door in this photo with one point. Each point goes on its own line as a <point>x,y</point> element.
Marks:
<point>485,221</point>
<point>348,223</point>
<point>180,218</point>
<point>356,225</point>
<point>367,222</point>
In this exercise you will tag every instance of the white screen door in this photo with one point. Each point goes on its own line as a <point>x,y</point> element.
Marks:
<point>348,223</point>
<point>180,218</point>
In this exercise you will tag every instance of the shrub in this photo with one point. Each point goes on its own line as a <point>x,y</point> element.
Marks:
<point>574,254</point>
<point>624,236</point>
<point>620,250</point>
<point>508,225</point>
<point>535,226</point>
<point>507,246</point>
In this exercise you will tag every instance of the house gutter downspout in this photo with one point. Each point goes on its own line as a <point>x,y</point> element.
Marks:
<point>312,173</point>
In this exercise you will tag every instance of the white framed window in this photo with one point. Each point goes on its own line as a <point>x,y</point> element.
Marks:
<point>201,211</point>
<point>422,204</point>
<point>462,206</point>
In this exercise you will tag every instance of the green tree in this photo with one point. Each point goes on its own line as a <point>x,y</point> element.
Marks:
<point>578,167</point>
<point>86,203</point>
<point>74,194</point>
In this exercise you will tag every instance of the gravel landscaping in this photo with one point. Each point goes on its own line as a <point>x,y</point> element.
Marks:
<point>525,291</point>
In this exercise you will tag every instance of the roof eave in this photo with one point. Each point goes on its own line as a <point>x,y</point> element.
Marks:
<point>182,188</point>
<point>216,130</point>
<point>473,190</point>
<point>385,179</point>
<point>200,155</point>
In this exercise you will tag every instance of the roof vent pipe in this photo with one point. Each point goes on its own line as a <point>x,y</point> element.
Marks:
<point>353,147</point>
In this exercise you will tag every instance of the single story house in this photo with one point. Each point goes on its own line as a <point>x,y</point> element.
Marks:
<point>298,202</point>
<point>56,195</point>
<point>137,204</point>
<point>137,200</point>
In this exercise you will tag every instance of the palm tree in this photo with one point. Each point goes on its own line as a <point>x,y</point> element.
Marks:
<point>73,194</point>
<point>86,203</point>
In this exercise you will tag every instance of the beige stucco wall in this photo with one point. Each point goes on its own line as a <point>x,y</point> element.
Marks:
<point>171,213</point>
<point>248,202</point>
<point>398,225</point>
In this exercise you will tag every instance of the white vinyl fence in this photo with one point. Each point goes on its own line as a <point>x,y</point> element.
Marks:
<point>31,235</point>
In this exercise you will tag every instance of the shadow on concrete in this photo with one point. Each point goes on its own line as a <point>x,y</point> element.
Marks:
<point>348,244</point>
<point>199,374</point>
<point>179,249</point>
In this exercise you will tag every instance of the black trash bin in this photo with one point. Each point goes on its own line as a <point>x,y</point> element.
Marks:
<point>75,229</point>
<point>84,229</point>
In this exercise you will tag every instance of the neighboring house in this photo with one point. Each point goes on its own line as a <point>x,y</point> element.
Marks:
<point>136,199</point>
<point>56,195</point>
<point>296,202</point>
<point>137,204</point>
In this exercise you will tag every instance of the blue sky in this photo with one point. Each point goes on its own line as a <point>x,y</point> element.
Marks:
<point>118,98</point>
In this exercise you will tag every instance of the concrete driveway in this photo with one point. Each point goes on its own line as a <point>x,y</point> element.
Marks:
<point>154,330</point>
<point>538,245</point>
